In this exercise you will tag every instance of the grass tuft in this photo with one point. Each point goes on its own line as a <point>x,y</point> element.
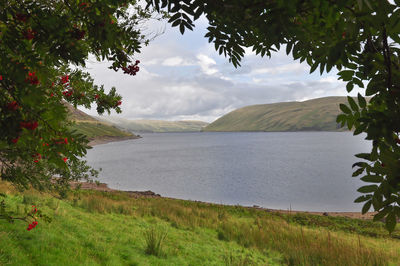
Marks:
<point>155,237</point>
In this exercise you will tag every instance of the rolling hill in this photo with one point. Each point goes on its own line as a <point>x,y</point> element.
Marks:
<point>143,126</point>
<point>93,128</point>
<point>312,115</point>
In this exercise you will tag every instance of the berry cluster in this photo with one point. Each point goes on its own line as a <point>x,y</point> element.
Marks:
<point>22,17</point>
<point>37,157</point>
<point>64,79</point>
<point>32,79</point>
<point>78,34</point>
<point>131,69</point>
<point>29,125</point>
<point>29,34</point>
<point>61,141</point>
<point>68,92</point>
<point>12,106</point>
<point>32,225</point>
<point>84,5</point>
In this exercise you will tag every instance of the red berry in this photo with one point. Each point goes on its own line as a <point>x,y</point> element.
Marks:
<point>64,79</point>
<point>32,79</point>
<point>29,34</point>
<point>22,17</point>
<point>12,106</point>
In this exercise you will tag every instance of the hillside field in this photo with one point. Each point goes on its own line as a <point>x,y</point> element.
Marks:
<point>159,126</point>
<point>312,115</point>
<point>91,127</point>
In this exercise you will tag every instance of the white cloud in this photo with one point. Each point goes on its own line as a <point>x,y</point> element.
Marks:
<point>165,88</point>
<point>177,61</point>
<point>283,69</point>
<point>206,64</point>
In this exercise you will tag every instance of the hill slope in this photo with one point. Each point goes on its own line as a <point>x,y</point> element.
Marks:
<point>312,115</point>
<point>93,128</point>
<point>156,125</point>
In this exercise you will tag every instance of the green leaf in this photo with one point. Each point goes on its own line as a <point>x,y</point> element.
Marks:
<point>182,28</point>
<point>379,216</point>
<point>345,109</point>
<point>372,178</point>
<point>366,207</point>
<point>340,118</point>
<point>361,101</point>
<point>176,23</point>
<point>289,47</point>
<point>358,172</point>
<point>313,67</point>
<point>361,128</point>
<point>346,75</point>
<point>360,164</point>
<point>391,222</point>
<point>365,156</point>
<point>362,198</point>
<point>368,189</point>
<point>352,103</point>
<point>349,86</point>
<point>174,17</point>
<point>358,82</point>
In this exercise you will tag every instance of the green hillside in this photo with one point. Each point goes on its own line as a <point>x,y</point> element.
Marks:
<point>91,127</point>
<point>156,125</point>
<point>312,115</point>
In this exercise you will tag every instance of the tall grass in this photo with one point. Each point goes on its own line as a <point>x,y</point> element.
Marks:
<point>300,245</point>
<point>300,240</point>
<point>155,237</point>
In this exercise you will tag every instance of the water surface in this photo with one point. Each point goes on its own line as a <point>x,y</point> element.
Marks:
<point>308,171</point>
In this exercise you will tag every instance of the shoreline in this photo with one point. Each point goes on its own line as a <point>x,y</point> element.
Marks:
<point>150,194</point>
<point>107,139</point>
<point>104,187</point>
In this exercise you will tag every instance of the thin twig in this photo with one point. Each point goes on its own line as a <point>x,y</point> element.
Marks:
<point>386,55</point>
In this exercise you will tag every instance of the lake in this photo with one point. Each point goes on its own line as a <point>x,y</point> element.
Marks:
<point>309,171</point>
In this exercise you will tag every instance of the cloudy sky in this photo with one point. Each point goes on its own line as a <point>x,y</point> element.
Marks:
<point>184,78</point>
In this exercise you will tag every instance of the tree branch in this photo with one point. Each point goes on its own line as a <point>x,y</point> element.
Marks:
<point>386,55</point>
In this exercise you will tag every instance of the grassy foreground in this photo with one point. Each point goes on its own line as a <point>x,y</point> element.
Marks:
<point>99,228</point>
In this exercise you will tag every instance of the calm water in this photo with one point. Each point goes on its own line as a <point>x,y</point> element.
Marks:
<point>305,170</point>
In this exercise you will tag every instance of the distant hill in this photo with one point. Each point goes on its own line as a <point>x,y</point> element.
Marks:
<point>142,126</point>
<point>312,115</point>
<point>93,128</point>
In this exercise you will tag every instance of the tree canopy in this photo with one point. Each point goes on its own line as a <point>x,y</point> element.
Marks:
<point>358,38</point>
<point>43,48</point>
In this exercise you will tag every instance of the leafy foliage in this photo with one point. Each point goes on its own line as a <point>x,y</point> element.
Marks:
<point>43,48</point>
<point>359,38</point>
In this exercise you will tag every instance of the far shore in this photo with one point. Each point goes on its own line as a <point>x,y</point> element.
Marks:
<point>106,139</point>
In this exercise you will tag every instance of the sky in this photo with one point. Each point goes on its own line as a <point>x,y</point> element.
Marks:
<point>182,77</point>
